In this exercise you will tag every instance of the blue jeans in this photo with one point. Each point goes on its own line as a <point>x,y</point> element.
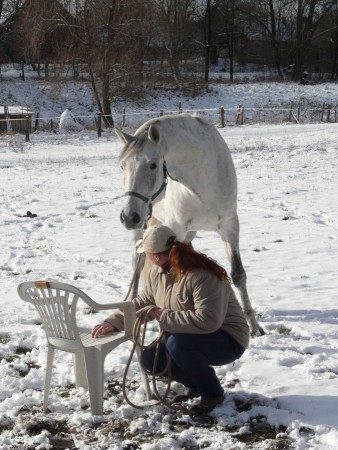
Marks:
<point>192,357</point>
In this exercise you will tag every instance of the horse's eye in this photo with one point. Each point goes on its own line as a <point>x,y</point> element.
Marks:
<point>153,166</point>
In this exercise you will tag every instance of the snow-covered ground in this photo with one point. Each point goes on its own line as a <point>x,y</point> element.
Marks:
<point>283,392</point>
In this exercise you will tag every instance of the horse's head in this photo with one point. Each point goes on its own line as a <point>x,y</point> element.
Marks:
<point>144,175</point>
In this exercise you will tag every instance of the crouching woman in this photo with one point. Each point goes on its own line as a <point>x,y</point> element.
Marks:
<point>197,308</point>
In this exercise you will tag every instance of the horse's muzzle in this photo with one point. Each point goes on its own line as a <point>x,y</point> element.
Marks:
<point>131,221</point>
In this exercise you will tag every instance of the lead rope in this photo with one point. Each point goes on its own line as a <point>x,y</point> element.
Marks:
<point>139,335</point>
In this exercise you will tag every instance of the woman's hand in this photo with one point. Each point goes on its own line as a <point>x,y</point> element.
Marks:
<point>156,313</point>
<point>102,329</point>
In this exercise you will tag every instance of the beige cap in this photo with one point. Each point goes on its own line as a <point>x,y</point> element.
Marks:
<point>156,239</point>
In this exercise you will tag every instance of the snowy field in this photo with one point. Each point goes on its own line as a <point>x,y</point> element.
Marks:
<point>282,394</point>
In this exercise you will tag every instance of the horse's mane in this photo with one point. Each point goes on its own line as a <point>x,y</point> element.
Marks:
<point>136,144</point>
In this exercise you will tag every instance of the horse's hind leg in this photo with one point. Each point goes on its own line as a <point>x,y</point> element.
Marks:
<point>238,276</point>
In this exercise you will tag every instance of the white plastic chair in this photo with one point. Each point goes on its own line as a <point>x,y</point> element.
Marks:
<point>56,304</point>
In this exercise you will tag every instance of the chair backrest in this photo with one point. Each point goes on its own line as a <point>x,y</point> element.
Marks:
<point>56,304</point>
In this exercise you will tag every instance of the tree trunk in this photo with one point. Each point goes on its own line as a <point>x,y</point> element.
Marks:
<point>207,41</point>
<point>231,57</point>
<point>107,66</point>
<point>46,71</point>
<point>275,38</point>
<point>95,91</point>
<point>106,101</point>
<point>334,70</point>
<point>175,68</point>
<point>299,41</point>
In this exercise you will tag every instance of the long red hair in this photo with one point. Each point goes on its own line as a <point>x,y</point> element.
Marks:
<point>183,258</point>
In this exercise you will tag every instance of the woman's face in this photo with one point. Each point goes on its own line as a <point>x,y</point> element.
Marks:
<point>158,258</point>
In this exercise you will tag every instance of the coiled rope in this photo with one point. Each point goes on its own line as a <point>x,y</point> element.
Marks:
<point>143,317</point>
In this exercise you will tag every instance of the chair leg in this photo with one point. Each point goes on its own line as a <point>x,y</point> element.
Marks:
<point>49,368</point>
<point>145,378</point>
<point>80,370</point>
<point>95,375</point>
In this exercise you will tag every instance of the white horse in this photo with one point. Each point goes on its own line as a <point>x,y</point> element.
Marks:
<point>179,170</point>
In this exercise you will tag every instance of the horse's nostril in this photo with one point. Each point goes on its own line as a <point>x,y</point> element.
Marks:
<point>130,221</point>
<point>136,218</point>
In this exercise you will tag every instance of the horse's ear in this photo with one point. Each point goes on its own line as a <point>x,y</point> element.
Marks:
<point>154,134</point>
<point>124,137</point>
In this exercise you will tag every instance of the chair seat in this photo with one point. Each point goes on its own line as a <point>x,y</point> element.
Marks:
<point>88,341</point>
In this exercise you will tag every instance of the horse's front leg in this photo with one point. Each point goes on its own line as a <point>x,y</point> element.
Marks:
<point>138,260</point>
<point>138,264</point>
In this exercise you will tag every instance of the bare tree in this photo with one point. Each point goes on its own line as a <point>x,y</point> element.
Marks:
<point>38,32</point>
<point>228,26</point>
<point>333,42</point>
<point>207,40</point>
<point>110,40</point>
<point>7,8</point>
<point>174,18</point>
<point>270,15</point>
<point>308,14</point>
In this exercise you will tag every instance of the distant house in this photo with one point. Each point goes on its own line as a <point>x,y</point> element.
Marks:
<point>38,32</point>
<point>14,118</point>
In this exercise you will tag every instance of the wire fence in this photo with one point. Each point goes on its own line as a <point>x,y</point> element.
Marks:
<point>220,117</point>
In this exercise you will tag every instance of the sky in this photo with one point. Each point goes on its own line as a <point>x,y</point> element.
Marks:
<point>283,391</point>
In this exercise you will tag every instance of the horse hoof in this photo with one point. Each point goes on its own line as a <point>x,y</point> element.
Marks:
<point>257,333</point>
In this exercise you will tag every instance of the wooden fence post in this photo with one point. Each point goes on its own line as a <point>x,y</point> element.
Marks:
<point>290,112</point>
<point>222,117</point>
<point>99,125</point>
<point>322,114</point>
<point>22,71</point>
<point>27,128</point>
<point>240,115</point>
<point>36,126</point>
<point>328,113</point>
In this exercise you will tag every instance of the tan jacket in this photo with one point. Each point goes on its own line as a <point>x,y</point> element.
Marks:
<point>198,303</point>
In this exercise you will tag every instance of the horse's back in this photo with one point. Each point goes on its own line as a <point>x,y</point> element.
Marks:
<point>182,121</point>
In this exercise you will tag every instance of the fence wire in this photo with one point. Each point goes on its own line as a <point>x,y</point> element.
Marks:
<point>220,117</point>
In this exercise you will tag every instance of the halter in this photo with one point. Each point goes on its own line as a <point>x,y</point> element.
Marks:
<point>150,200</point>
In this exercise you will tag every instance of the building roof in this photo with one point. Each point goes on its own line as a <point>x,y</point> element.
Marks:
<point>16,110</point>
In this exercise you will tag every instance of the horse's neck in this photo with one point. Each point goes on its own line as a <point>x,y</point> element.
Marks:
<point>183,152</point>
<point>184,156</point>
